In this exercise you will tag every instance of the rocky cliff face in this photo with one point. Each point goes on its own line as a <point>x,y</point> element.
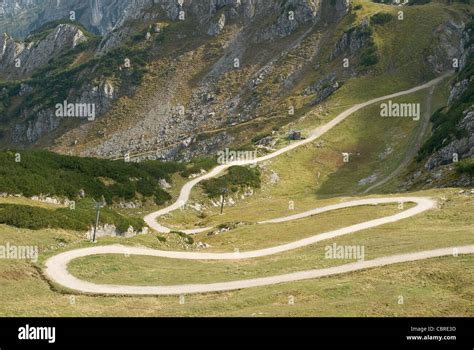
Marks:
<point>104,16</point>
<point>99,16</point>
<point>257,21</point>
<point>467,45</point>
<point>447,46</point>
<point>297,13</point>
<point>19,59</point>
<point>452,139</point>
<point>463,146</point>
<point>12,7</point>
<point>36,122</point>
<point>17,15</point>
<point>353,40</point>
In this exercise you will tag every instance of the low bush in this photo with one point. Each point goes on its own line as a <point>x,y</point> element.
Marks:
<point>79,219</point>
<point>381,18</point>
<point>199,164</point>
<point>236,178</point>
<point>42,172</point>
<point>466,167</point>
<point>187,238</point>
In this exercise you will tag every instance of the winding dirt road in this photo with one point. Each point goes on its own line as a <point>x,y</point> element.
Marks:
<point>314,135</point>
<point>56,266</point>
<point>56,270</point>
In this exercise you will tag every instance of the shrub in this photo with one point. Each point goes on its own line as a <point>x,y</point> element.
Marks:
<point>381,18</point>
<point>161,196</point>
<point>187,239</point>
<point>199,164</point>
<point>80,219</point>
<point>466,167</point>
<point>419,2</point>
<point>42,172</point>
<point>236,178</point>
<point>369,56</point>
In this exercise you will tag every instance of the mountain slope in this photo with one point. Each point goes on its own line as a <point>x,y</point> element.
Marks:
<point>171,87</point>
<point>293,71</point>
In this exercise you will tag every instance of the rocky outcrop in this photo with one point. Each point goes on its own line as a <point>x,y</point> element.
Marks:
<point>18,59</point>
<point>218,26</point>
<point>466,54</point>
<point>16,16</point>
<point>38,123</point>
<point>110,230</point>
<point>445,46</point>
<point>30,131</point>
<point>101,95</point>
<point>463,147</point>
<point>294,14</point>
<point>458,89</point>
<point>99,16</point>
<point>353,40</point>
<point>323,88</point>
<point>467,45</point>
<point>10,8</point>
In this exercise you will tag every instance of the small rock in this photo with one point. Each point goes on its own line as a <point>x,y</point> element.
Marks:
<point>294,135</point>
